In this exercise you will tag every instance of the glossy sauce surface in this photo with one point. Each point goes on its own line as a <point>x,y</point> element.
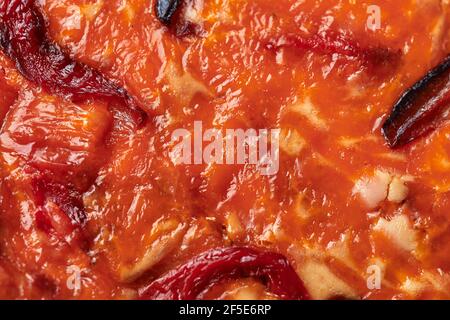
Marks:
<point>341,203</point>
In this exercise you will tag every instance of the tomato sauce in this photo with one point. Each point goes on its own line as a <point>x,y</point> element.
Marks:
<point>355,218</point>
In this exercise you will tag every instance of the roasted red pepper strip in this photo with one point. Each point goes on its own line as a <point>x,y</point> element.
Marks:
<point>192,278</point>
<point>68,200</point>
<point>60,209</point>
<point>24,39</point>
<point>331,43</point>
<point>421,108</point>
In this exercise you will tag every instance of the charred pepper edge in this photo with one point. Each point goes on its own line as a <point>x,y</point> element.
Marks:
<point>407,99</point>
<point>165,10</point>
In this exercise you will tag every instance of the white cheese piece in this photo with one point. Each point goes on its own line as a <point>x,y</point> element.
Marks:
<point>323,284</point>
<point>398,191</point>
<point>373,190</point>
<point>183,84</point>
<point>291,142</point>
<point>399,231</point>
<point>308,110</point>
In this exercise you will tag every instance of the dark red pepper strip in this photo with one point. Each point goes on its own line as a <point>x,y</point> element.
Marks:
<point>335,43</point>
<point>189,280</point>
<point>421,108</point>
<point>24,39</point>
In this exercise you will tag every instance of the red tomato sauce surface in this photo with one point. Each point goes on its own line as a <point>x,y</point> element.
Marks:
<point>341,204</point>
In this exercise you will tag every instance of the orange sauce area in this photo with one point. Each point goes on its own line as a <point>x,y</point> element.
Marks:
<point>147,215</point>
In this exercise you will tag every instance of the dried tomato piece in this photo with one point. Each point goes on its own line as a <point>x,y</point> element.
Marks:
<point>421,108</point>
<point>24,39</point>
<point>189,280</point>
